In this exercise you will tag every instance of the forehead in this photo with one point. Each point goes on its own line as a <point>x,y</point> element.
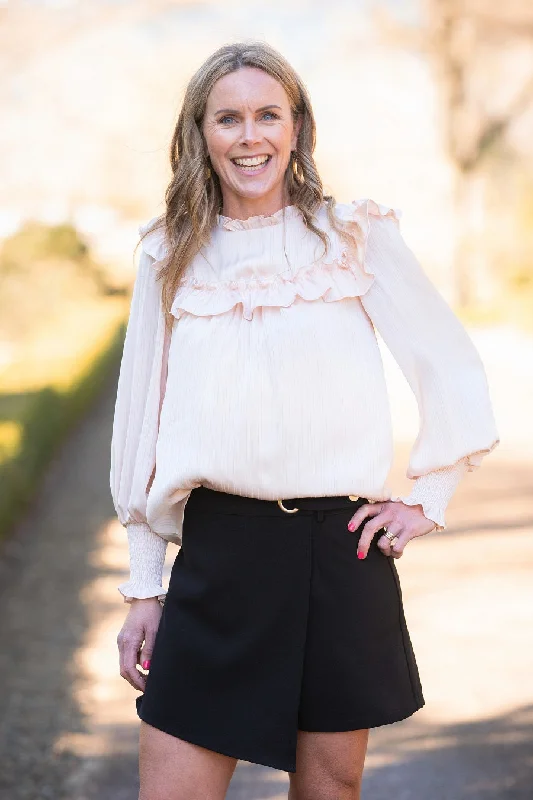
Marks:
<point>246,87</point>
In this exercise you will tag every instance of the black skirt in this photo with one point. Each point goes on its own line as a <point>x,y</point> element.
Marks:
<point>272,625</point>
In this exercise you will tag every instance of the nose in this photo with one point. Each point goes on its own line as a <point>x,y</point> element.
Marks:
<point>250,132</point>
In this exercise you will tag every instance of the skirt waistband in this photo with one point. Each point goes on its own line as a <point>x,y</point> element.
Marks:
<point>204,500</point>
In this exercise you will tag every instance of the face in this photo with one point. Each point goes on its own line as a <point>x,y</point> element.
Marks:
<point>249,132</point>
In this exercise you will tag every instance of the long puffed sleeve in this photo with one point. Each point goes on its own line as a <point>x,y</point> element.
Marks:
<point>440,362</point>
<point>140,394</point>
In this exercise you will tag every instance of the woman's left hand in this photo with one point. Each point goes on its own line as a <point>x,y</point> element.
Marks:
<point>405,522</point>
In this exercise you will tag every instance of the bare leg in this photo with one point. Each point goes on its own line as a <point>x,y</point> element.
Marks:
<point>173,769</point>
<point>329,766</point>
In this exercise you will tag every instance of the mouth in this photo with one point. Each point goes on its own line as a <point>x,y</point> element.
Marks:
<point>252,165</point>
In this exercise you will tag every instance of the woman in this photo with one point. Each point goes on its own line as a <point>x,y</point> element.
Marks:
<point>254,431</point>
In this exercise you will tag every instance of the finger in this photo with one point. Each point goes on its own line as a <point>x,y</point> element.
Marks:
<point>364,511</point>
<point>145,655</point>
<point>129,649</point>
<point>135,678</point>
<point>132,673</point>
<point>369,531</point>
<point>384,543</point>
<point>395,550</point>
<point>398,547</point>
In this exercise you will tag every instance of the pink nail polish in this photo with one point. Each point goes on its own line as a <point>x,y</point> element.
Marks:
<point>360,554</point>
<point>351,526</point>
<point>146,665</point>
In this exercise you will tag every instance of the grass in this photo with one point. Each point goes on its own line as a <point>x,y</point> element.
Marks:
<point>43,396</point>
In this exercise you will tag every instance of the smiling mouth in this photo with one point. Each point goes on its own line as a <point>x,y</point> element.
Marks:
<point>251,163</point>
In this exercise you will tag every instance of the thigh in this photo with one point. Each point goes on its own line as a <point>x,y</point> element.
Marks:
<point>173,769</point>
<point>329,765</point>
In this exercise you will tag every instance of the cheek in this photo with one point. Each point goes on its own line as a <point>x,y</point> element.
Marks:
<point>281,139</point>
<point>282,143</point>
<point>218,143</point>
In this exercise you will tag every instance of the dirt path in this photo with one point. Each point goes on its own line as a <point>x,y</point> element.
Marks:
<point>68,727</point>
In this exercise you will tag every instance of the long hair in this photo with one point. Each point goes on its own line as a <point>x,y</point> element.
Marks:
<point>194,198</point>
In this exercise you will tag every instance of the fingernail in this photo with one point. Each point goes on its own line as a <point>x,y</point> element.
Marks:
<point>351,526</point>
<point>360,554</point>
<point>146,665</point>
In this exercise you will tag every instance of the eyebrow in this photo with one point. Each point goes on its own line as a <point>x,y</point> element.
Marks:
<point>235,111</point>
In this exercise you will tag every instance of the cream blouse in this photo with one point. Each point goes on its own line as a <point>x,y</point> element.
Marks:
<point>271,383</point>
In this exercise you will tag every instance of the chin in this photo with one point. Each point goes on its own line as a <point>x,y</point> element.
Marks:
<point>259,190</point>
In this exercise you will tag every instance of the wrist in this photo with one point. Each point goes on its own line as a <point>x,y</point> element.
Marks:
<point>421,509</point>
<point>146,601</point>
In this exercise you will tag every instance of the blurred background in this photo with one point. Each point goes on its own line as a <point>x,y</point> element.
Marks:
<point>422,105</point>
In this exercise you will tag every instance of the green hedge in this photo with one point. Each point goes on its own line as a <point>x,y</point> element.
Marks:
<point>45,418</point>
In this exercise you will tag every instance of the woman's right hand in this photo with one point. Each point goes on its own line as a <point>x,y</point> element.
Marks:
<point>140,627</point>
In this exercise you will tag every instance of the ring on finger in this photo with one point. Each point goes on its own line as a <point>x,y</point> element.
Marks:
<point>390,536</point>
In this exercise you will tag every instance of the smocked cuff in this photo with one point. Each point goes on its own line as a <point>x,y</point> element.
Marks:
<point>147,552</point>
<point>434,490</point>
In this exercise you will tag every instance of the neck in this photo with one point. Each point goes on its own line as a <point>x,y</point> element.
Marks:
<point>243,207</point>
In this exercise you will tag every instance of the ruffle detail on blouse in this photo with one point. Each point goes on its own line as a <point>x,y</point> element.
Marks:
<point>132,591</point>
<point>258,221</point>
<point>360,211</point>
<point>369,208</point>
<point>434,490</point>
<point>331,282</point>
<point>474,460</point>
<point>154,243</point>
<point>345,276</point>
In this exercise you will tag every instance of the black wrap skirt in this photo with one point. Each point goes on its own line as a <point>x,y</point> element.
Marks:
<point>272,625</point>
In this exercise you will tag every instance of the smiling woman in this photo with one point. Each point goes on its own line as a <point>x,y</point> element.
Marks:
<point>250,140</point>
<point>252,427</point>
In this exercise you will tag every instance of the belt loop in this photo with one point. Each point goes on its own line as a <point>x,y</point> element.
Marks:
<point>320,515</point>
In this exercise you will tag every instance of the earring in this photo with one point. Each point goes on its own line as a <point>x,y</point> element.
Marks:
<point>294,161</point>
<point>207,173</point>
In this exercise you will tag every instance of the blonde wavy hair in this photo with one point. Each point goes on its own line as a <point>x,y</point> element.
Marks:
<point>193,197</point>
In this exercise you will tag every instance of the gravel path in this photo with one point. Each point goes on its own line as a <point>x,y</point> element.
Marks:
<point>68,727</point>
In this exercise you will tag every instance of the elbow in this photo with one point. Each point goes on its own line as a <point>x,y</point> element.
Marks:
<point>459,370</point>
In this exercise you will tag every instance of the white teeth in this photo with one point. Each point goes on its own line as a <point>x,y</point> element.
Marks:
<point>251,162</point>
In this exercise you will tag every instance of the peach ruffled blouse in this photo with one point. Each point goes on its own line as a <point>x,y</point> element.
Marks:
<point>271,384</point>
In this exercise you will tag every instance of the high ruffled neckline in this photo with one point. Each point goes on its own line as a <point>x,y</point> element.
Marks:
<point>257,221</point>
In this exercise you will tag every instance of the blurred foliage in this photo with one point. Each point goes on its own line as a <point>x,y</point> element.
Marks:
<point>44,270</point>
<point>36,241</point>
<point>61,330</point>
<point>34,422</point>
<point>10,439</point>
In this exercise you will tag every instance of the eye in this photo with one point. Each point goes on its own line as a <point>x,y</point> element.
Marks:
<point>222,119</point>
<point>272,114</point>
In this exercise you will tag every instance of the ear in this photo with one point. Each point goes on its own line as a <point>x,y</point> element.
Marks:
<point>296,131</point>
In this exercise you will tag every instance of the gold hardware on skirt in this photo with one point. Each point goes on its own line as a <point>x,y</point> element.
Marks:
<point>287,510</point>
<point>352,497</point>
